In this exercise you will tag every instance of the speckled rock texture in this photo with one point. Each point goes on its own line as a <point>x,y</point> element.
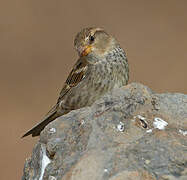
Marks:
<point>131,133</point>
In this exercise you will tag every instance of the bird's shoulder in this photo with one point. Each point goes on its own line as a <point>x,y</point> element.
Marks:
<point>76,75</point>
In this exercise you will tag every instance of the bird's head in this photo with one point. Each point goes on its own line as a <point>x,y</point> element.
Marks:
<point>93,41</point>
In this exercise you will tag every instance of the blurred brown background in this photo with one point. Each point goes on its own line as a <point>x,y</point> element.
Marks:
<point>36,55</point>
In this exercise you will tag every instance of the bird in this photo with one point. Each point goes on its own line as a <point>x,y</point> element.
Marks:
<point>101,66</point>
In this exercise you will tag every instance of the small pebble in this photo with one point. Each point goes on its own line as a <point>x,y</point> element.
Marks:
<point>121,127</point>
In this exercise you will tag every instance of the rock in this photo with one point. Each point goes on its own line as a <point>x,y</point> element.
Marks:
<point>131,133</point>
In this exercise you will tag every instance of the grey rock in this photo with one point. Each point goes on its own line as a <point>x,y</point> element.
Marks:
<point>131,133</point>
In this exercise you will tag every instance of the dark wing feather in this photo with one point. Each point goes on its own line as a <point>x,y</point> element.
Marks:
<point>76,75</point>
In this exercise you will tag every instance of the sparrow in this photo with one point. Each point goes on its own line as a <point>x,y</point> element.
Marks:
<point>102,66</point>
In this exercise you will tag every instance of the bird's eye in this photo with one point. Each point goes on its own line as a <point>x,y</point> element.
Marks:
<point>91,38</point>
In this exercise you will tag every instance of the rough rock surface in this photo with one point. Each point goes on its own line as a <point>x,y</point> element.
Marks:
<point>131,133</point>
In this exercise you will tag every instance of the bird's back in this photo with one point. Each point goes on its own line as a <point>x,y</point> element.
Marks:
<point>100,78</point>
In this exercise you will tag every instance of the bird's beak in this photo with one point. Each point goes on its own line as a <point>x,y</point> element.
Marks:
<point>85,51</point>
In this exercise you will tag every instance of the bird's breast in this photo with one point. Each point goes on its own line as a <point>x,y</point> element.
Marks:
<point>99,80</point>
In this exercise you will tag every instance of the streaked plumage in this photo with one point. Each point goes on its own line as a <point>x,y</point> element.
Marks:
<point>102,66</point>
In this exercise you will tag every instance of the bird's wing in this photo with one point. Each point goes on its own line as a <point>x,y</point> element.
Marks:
<point>78,72</point>
<point>76,75</point>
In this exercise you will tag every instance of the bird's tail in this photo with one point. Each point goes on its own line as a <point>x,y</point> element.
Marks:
<point>35,131</point>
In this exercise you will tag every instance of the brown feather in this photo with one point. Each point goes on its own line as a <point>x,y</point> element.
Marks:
<point>76,75</point>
